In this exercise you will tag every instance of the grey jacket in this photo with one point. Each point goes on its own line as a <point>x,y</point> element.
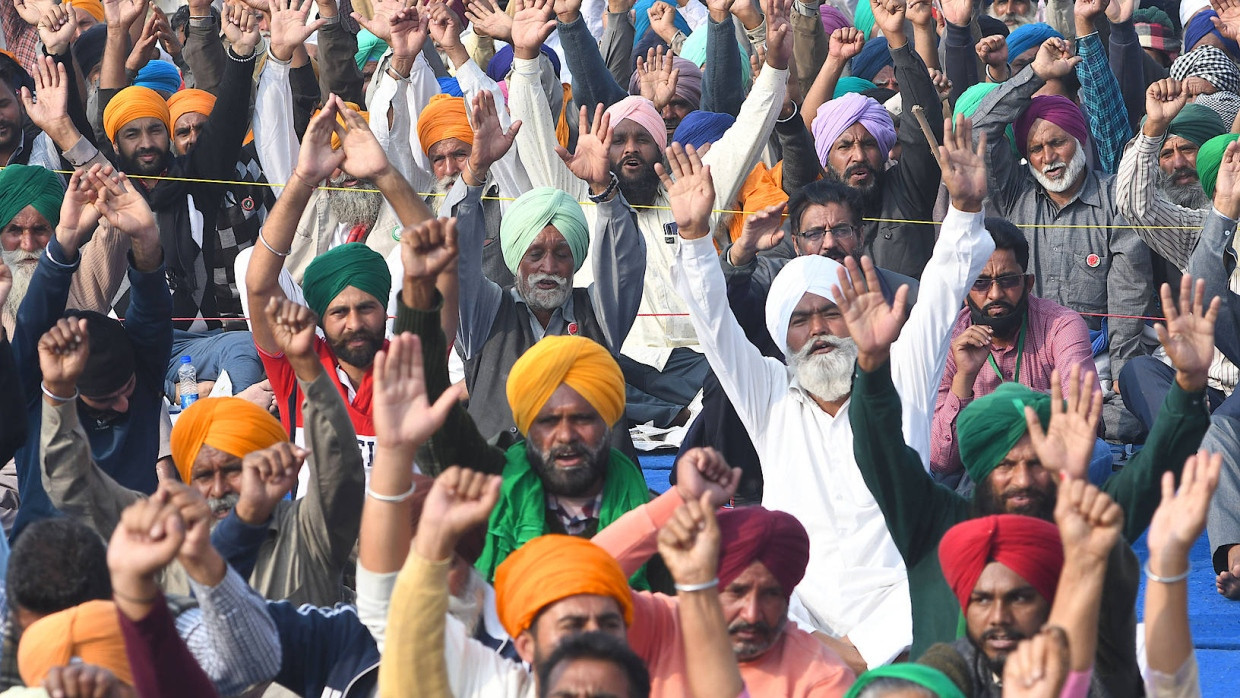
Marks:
<point>1214,260</point>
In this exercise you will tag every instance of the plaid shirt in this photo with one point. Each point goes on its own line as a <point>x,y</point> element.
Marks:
<point>21,39</point>
<point>1102,102</point>
<point>575,522</point>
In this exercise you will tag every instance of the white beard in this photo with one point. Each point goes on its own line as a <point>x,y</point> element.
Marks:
<point>1073,172</point>
<point>22,273</point>
<point>544,299</point>
<point>826,376</point>
<point>440,190</point>
<point>468,607</point>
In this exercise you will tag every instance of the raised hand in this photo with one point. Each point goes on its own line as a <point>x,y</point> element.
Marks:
<point>148,537</point>
<point>63,351</point>
<point>51,83</point>
<point>589,162</point>
<point>428,248</point>
<point>404,417</point>
<point>409,28</point>
<point>719,9</point>
<point>778,32</point>
<point>32,10</point>
<point>380,22</point>
<point>1181,516</point>
<point>83,681</point>
<point>1054,59</point>
<point>993,51</point>
<point>1227,186</point>
<point>970,349</point>
<point>1120,11</point>
<point>445,27</point>
<point>1086,10</point>
<point>958,12</point>
<point>167,38</point>
<point>266,476</point>
<point>1089,521</point>
<point>1164,99</point>
<point>761,231</point>
<point>1039,665</point>
<point>293,328</point>
<point>692,193</point>
<point>490,141</point>
<point>287,22</point>
<point>873,324</point>
<point>143,50</point>
<point>1188,334</point>
<point>1228,21</point>
<point>964,168</point>
<point>123,13</point>
<point>363,156</point>
<point>240,29</point>
<point>689,542</point>
<point>316,160</point>
<point>920,13</point>
<point>78,214</point>
<point>663,20</point>
<point>202,561</point>
<point>56,28</point>
<point>845,43</point>
<point>889,18</point>
<point>460,500</point>
<point>656,76</point>
<point>488,19</point>
<point>703,471</point>
<point>531,25</point>
<point>1068,442</point>
<point>121,204</point>
<point>942,85</point>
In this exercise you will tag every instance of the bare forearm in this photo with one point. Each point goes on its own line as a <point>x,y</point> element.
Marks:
<point>409,207</point>
<point>709,661</point>
<point>822,88</point>
<point>387,527</point>
<point>262,276</point>
<point>1168,640</point>
<point>1076,611</point>
<point>115,50</point>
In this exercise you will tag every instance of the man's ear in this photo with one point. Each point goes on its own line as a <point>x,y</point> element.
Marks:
<point>525,644</point>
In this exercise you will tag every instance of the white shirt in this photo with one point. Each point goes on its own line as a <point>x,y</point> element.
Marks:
<point>855,583</point>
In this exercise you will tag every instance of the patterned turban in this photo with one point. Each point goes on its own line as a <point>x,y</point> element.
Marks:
<point>552,568</point>
<point>30,185</point>
<point>1156,31</point>
<point>90,631</point>
<point>1210,64</point>
<point>1209,158</point>
<point>352,264</point>
<point>640,111</point>
<point>992,424</point>
<point>1028,546</point>
<point>836,116</point>
<point>1225,104</point>
<point>443,117</point>
<point>807,274</point>
<point>132,103</point>
<point>235,426</point>
<point>189,101</point>
<point>582,364</point>
<point>754,534</point>
<point>1056,109</point>
<point>536,209</point>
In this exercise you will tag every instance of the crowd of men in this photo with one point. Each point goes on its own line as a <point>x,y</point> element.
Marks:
<point>938,302</point>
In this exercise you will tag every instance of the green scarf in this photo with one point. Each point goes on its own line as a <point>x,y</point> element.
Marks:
<point>521,514</point>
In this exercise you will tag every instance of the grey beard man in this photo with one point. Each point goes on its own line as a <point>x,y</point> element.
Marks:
<point>826,376</point>
<point>22,264</point>
<point>351,203</point>
<point>1189,194</point>
<point>1062,182</point>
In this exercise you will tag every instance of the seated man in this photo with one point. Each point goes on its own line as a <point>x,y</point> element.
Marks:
<point>584,662</point>
<point>235,455</point>
<point>1006,333</point>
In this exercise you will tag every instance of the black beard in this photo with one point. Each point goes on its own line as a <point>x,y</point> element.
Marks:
<point>987,502</point>
<point>641,189</point>
<point>131,165</point>
<point>361,358</point>
<point>871,194</point>
<point>1005,326</point>
<point>574,483</point>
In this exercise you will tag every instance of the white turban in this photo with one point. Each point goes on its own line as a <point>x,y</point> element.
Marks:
<point>809,274</point>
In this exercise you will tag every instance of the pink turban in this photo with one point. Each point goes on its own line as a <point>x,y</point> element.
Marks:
<point>836,116</point>
<point>1029,547</point>
<point>1058,110</point>
<point>754,534</point>
<point>640,111</point>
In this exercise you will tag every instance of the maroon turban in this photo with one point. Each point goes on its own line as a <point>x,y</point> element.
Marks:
<point>774,538</point>
<point>1029,547</point>
<point>1058,110</point>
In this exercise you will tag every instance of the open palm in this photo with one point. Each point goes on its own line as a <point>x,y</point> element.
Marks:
<point>287,22</point>
<point>403,415</point>
<point>532,24</point>
<point>1228,20</point>
<point>1180,518</point>
<point>873,324</point>
<point>1067,445</point>
<point>1188,334</point>
<point>692,192</point>
<point>589,162</point>
<point>964,167</point>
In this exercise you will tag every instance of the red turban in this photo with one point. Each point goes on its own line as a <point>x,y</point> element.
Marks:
<point>754,534</point>
<point>1058,110</point>
<point>1029,547</point>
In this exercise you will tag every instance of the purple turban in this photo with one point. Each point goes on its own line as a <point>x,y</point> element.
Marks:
<point>688,83</point>
<point>1058,110</point>
<point>832,19</point>
<point>838,115</point>
<point>754,534</point>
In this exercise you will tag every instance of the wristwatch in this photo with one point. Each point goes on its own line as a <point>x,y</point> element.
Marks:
<point>608,192</point>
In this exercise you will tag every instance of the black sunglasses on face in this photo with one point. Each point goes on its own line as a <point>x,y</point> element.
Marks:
<point>1007,282</point>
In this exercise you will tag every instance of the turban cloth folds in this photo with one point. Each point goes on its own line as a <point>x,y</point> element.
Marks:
<point>1209,157</point>
<point>353,264</point>
<point>1029,547</point>
<point>1225,104</point>
<point>919,674</point>
<point>1029,36</point>
<point>582,364</point>
<point>701,127</point>
<point>189,101</point>
<point>1156,31</point>
<point>874,57</point>
<point>111,362</point>
<point>640,111</point>
<point>836,116</point>
<point>536,209</point>
<point>1200,26</point>
<point>132,103</point>
<point>1188,8</point>
<point>90,631</point>
<point>848,84</point>
<point>863,19</point>
<point>450,87</point>
<point>230,424</point>
<point>443,117</point>
<point>94,8</point>
<point>369,48</point>
<point>694,50</point>
<point>754,534</point>
<point>808,274</point>
<point>1209,64</point>
<point>30,185</point>
<point>1197,124</point>
<point>501,64</point>
<point>832,18</point>
<point>552,568</point>
<point>1058,110</point>
<point>641,19</point>
<point>159,75</point>
<point>992,424</point>
<point>688,83</point>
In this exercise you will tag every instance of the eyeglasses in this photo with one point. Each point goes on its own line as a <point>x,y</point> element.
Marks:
<point>839,232</point>
<point>1007,282</point>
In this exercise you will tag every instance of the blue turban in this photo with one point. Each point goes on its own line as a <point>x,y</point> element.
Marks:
<point>641,20</point>
<point>501,62</point>
<point>369,48</point>
<point>1199,26</point>
<point>701,127</point>
<point>1029,36</point>
<point>849,83</point>
<point>536,209</point>
<point>874,56</point>
<point>161,76</point>
<point>450,86</point>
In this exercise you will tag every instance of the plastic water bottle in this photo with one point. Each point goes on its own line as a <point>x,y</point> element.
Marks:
<point>187,382</point>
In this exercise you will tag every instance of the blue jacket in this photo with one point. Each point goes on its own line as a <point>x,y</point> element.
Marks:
<point>327,652</point>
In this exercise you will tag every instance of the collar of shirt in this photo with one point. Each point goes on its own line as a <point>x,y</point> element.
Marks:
<point>575,518</point>
<point>562,318</point>
<point>21,147</point>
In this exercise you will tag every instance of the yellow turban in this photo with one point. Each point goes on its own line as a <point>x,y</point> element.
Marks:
<point>90,631</point>
<point>187,101</point>
<point>443,117</point>
<point>551,568</point>
<point>233,425</point>
<point>94,8</point>
<point>134,103</point>
<point>581,364</point>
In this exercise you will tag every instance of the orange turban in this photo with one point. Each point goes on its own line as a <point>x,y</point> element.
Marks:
<point>94,8</point>
<point>233,425</point>
<point>90,631</point>
<point>190,100</point>
<point>340,120</point>
<point>131,103</point>
<point>551,568</point>
<point>443,117</point>
<point>581,364</point>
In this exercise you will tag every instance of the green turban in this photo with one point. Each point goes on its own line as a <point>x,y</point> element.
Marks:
<point>864,18</point>
<point>971,98</point>
<point>920,674</point>
<point>1209,157</point>
<point>535,210</point>
<point>354,265</point>
<point>369,48</point>
<point>991,425</point>
<point>30,185</point>
<point>849,84</point>
<point>1197,124</point>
